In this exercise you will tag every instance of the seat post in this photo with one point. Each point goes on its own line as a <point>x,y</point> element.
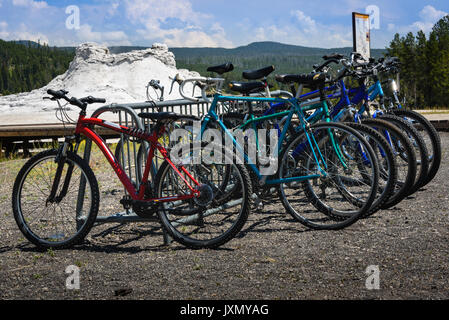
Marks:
<point>323,101</point>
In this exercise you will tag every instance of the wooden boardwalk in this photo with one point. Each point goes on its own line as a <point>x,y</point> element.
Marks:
<point>15,138</point>
<point>26,137</point>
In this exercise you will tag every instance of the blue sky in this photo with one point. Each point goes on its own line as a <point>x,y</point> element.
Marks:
<point>212,23</point>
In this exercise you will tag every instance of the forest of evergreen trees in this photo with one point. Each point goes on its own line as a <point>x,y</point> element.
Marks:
<point>425,66</point>
<point>28,66</point>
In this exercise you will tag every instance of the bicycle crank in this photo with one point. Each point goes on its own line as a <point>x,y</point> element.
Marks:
<point>206,195</point>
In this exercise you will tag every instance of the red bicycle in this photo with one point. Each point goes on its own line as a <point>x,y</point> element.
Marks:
<point>56,198</point>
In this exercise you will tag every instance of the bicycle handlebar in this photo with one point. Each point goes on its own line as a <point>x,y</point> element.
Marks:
<point>205,83</point>
<point>81,103</point>
<point>325,64</point>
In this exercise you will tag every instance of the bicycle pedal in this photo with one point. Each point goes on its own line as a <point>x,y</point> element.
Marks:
<point>126,202</point>
<point>145,209</point>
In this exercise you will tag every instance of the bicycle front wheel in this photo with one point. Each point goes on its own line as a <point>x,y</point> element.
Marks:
<point>338,172</point>
<point>64,221</point>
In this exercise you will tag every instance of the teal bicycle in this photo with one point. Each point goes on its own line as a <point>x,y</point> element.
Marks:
<point>318,177</point>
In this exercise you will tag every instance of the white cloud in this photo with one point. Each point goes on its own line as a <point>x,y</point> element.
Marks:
<point>150,11</point>
<point>188,37</point>
<point>303,31</point>
<point>428,17</point>
<point>3,32</point>
<point>194,28</point>
<point>391,27</point>
<point>307,23</point>
<point>30,4</point>
<point>430,14</point>
<point>85,33</point>
<point>113,8</point>
<point>21,34</point>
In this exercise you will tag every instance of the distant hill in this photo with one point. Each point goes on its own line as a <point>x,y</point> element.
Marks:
<point>263,48</point>
<point>286,58</point>
<point>253,49</point>
<point>27,65</point>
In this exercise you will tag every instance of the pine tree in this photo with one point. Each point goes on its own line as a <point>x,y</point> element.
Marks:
<point>422,69</point>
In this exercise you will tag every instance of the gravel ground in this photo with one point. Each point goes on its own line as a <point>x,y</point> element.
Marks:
<point>273,258</point>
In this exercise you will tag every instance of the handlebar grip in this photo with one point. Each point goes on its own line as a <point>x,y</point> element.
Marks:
<point>98,100</point>
<point>74,101</point>
<point>90,100</point>
<point>325,64</point>
<point>57,94</point>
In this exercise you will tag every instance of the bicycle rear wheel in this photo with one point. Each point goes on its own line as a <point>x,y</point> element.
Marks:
<point>208,221</point>
<point>336,191</point>
<point>422,155</point>
<point>61,223</point>
<point>431,137</point>
<point>405,157</point>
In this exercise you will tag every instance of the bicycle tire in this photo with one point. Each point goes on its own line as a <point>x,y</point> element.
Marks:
<point>404,185</point>
<point>22,222</point>
<point>340,219</point>
<point>388,168</point>
<point>185,237</point>
<point>418,141</point>
<point>435,139</point>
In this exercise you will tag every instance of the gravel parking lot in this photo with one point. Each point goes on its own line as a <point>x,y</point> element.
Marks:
<point>273,258</point>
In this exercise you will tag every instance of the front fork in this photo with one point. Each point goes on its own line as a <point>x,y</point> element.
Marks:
<point>61,159</point>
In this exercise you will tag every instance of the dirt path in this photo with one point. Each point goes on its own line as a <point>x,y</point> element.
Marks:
<point>274,258</point>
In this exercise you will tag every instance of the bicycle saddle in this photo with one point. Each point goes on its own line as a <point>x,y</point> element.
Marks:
<point>314,79</point>
<point>257,74</point>
<point>336,56</point>
<point>223,68</point>
<point>247,87</point>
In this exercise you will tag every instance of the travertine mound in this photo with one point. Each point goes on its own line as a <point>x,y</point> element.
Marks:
<point>119,78</point>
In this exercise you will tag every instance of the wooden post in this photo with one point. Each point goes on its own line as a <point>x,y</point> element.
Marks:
<point>9,147</point>
<point>26,149</point>
<point>1,149</point>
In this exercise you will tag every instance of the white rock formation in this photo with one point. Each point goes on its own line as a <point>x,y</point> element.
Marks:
<point>119,78</point>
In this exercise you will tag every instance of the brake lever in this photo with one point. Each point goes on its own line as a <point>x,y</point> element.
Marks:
<point>176,79</point>
<point>51,98</point>
<point>172,84</point>
<point>199,85</point>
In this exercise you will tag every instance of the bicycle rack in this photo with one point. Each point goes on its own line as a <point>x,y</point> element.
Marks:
<point>128,113</point>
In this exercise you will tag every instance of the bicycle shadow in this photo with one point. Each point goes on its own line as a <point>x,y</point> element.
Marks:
<point>128,237</point>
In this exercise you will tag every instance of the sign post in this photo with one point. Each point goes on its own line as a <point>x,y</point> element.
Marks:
<point>361,34</point>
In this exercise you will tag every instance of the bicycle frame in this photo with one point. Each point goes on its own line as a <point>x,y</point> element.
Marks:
<point>83,127</point>
<point>295,109</point>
